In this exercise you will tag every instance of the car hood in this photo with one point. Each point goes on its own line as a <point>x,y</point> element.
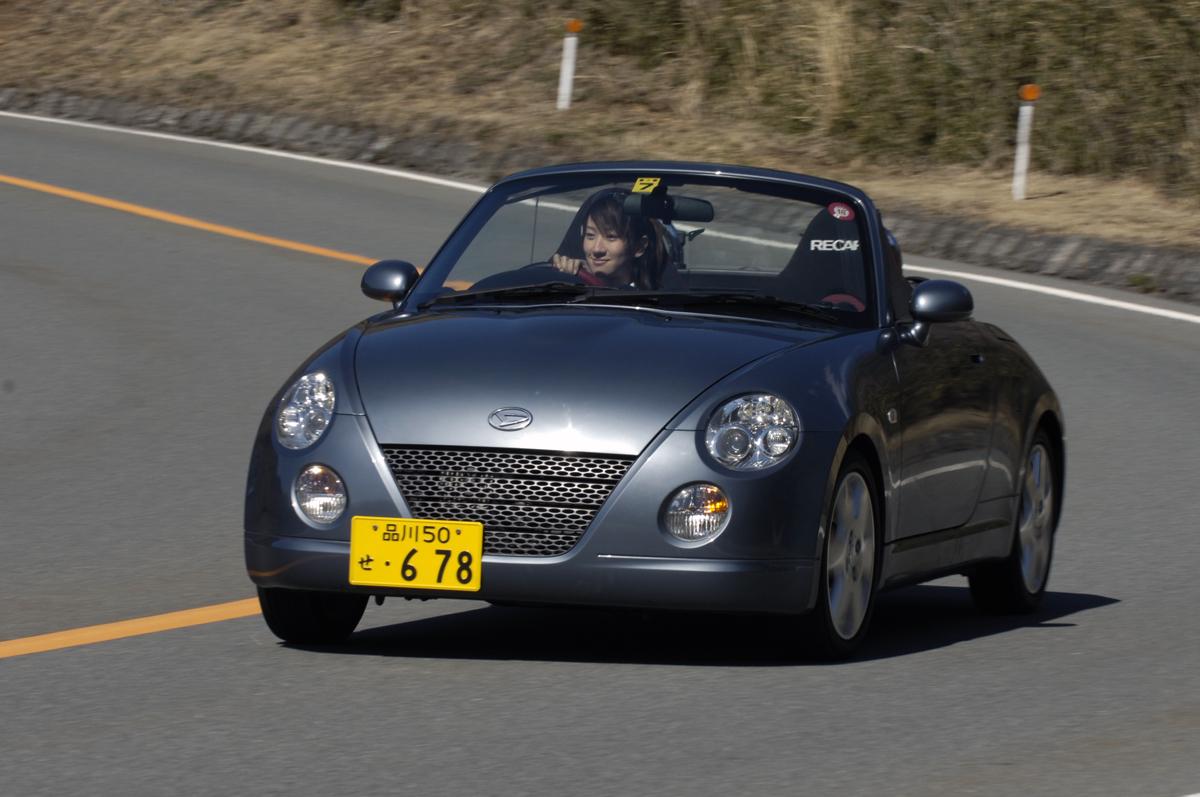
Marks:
<point>595,379</point>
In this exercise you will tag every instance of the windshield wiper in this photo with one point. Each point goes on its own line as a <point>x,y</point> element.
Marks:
<point>539,290</point>
<point>581,293</point>
<point>702,298</point>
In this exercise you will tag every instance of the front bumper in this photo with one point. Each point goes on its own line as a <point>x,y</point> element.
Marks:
<point>730,585</point>
<point>764,561</point>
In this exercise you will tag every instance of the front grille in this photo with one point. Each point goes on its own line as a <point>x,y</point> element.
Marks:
<point>531,503</point>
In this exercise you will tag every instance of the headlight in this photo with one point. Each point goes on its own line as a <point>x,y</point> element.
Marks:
<point>305,412</point>
<point>697,513</point>
<point>752,432</point>
<point>320,494</point>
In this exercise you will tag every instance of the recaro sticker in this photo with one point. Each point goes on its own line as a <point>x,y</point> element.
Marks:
<point>832,245</point>
<point>645,185</point>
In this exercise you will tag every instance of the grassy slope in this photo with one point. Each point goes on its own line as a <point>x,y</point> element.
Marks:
<point>912,100</point>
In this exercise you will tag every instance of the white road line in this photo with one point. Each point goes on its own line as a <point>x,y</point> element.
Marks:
<point>1061,293</point>
<point>362,167</point>
<point>478,189</point>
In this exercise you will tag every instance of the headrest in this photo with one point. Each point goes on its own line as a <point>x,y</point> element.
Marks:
<point>828,259</point>
<point>827,237</point>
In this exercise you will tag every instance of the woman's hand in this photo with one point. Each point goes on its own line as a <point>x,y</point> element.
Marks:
<point>567,264</point>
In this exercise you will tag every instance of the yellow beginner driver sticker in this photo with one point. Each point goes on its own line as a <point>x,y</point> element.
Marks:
<point>645,185</point>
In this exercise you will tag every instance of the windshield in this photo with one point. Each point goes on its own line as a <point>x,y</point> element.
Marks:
<point>700,244</point>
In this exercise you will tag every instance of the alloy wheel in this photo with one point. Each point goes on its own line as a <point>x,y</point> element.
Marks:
<point>850,562</point>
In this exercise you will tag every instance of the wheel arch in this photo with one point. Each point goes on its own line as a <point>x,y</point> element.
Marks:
<point>864,436</point>
<point>1045,414</point>
<point>1050,422</point>
<point>864,445</point>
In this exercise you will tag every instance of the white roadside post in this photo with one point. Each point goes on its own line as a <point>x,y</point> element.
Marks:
<point>566,74</point>
<point>1029,94</point>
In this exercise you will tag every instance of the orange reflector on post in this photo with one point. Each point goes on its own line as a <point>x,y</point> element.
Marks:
<point>1030,92</point>
<point>574,25</point>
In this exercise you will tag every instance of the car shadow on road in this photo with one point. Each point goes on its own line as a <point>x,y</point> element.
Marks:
<point>925,617</point>
<point>906,621</point>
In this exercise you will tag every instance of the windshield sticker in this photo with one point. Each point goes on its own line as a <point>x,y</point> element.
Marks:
<point>645,185</point>
<point>839,210</point>
<point>832,245</point>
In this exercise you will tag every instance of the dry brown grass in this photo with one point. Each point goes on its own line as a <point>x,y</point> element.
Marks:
<point>769,82</point>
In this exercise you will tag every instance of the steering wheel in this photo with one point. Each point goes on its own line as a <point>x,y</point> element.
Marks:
<point>532,274</point>
<point>581,277</point>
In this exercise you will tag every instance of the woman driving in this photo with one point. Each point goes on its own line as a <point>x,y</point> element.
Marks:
<point>619,249</point>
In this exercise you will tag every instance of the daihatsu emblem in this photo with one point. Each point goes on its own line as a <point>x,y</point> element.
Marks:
<point>510,419</point>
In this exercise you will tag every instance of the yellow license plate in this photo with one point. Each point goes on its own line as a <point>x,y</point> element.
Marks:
<point>415,553</point>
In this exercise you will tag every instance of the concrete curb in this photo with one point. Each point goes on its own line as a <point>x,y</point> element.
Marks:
<point>435,147</point>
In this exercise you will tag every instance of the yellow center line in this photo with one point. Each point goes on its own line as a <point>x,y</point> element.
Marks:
<point>90,635</point>
<point>198,224</point>
<point>183,221</point>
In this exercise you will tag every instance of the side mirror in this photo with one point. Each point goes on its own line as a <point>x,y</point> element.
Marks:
<point>935,301</point>
<point>941,300</point>
<point>389,280</point>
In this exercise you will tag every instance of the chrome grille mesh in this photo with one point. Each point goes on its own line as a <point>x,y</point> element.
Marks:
<point>530,503</point>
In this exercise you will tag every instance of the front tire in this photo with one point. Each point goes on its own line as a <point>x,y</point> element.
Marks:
<point>310,618</point>
<point>1016,584</point>
<point>849,563</point>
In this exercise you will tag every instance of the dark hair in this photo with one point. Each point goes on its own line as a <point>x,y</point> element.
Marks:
<point>610,217</point>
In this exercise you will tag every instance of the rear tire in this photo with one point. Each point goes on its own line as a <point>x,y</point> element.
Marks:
<point>311,618</point>
<point>850,557</point>
<point>1016,584</point>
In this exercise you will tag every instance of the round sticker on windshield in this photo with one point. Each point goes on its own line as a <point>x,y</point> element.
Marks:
<point>841,211</point>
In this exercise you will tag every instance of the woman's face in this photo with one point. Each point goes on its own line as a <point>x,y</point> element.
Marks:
<point>608,254</point>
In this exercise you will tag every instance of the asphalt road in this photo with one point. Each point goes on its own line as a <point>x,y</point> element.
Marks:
<point>136,358</point>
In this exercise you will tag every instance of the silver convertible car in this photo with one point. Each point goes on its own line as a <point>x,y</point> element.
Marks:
<point>664,386</point>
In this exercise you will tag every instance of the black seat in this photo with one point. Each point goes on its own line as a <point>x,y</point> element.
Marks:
<point>827,263</point>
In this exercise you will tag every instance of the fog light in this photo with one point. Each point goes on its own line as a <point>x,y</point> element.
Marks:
<point>320,494</point>
<point>697,513</point>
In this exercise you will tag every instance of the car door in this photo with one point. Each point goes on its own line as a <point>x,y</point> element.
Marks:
<point>945,419</point>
